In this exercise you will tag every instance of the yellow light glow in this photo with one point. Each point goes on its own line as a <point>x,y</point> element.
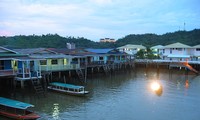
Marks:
<point>155,86</point>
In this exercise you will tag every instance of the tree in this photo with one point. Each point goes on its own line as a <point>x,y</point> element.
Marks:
<point>140,54</point>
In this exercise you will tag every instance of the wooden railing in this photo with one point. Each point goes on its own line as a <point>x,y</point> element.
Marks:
<point>9,72</point>
<point>165,61</point>
<point>59,67</point>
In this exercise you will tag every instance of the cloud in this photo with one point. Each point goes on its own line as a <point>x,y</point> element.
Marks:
<point>95,18</point>
<point>101,2</point>
<point>40,16</point>
<point>5,33</point>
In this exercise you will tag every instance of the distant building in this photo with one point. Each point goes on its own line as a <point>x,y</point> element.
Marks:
<point>157,50</point>
<point>131,49</point>
<point>195,52</point>
<point>108,40</point>
<point>70,45</point>
<point>176,51</point>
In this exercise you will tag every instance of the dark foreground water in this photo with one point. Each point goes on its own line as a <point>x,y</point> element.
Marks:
<point>125,96</point>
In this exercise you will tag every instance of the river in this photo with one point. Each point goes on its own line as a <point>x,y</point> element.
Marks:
<point>125,96</point>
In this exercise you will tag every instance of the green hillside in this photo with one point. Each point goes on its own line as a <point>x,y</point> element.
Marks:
<point>56,41</point>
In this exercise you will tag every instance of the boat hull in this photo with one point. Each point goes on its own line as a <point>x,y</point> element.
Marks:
<point>82,93</point>
<point>30,116</point>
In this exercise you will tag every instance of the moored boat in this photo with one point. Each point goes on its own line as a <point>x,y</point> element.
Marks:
<point>68,88</point>
<point>16,110</point>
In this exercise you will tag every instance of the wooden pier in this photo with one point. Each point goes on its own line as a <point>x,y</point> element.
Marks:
<point>190,65</point>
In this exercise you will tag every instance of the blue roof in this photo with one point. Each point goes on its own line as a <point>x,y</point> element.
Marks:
<point>99,50</point>
<point>66,85</point>
<point>14,103</point>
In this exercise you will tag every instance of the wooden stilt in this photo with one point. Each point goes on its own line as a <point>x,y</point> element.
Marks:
<point>51,76</point>
<point>22,83</point>
<point>92,70</point>
<point>69,74</point>
<point>48,78</point>
<point>59,75</point>
<point>64,79</point>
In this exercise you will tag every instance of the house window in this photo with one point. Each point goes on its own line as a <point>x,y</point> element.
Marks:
<point>170,51</point>
<point>197,49</point>
<point>43,62</point>
<point>54,62</point>
<point>179,49</point>
<point>100,58</point>
<point>163,50</point>
<point>64,61</point>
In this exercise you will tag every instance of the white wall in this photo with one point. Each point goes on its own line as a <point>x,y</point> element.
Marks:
<point>195,52</point>
<point>175,51</point>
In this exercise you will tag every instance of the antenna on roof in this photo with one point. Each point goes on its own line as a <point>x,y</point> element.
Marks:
<point>184,26</point>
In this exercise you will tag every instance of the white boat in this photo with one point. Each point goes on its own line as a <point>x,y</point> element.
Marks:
<point>68,88</point>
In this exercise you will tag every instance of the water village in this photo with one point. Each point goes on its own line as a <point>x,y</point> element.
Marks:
<point>43,63</point>
<point>52,68</point>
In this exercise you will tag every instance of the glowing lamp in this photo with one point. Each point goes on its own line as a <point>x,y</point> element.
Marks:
<point>155,86</point>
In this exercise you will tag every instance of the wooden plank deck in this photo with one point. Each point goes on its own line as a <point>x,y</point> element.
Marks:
<point>7,73</point>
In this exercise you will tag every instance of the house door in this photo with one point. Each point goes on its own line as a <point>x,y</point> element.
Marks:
<point>31,66</point>
<point>1,65</point>
<point>89,60</point>
<point>170,50</point>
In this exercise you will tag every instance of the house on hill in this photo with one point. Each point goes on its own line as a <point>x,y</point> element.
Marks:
<point>176,51</point>
<point>157,50</point>
<point>195,53</point>
<point>131,49</point>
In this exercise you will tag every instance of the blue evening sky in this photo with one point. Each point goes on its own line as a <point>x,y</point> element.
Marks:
<point>95,19</point>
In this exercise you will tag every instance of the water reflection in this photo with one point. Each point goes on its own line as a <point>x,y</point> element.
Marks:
<point>125,96</point>
<point>56,111</point>
<point>157,88</point>
<point>187,84</point>
<point>178,85</point>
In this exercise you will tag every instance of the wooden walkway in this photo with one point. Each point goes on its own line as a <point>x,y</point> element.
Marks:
<point>173,63</point>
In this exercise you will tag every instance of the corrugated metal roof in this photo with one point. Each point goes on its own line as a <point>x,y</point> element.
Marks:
<point>157,47</point>
<point>196,46</point>
<point>51,56</point>
<point>28,51</point>
<point>177,45</point>
<point>74,52</point>
<point>9,50</point>
<point>34,50</point>
<point>12,55</point>
<point>42,53</point>
<point>130,46</point>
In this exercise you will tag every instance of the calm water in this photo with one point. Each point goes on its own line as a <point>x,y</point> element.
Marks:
<point>126,96</point>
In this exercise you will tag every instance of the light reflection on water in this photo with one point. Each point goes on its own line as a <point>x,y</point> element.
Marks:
<point>126,96</point>
<point>56,111</point>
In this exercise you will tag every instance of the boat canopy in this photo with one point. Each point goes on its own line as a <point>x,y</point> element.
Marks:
<point>14,103</point>
<point>66,85</point>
